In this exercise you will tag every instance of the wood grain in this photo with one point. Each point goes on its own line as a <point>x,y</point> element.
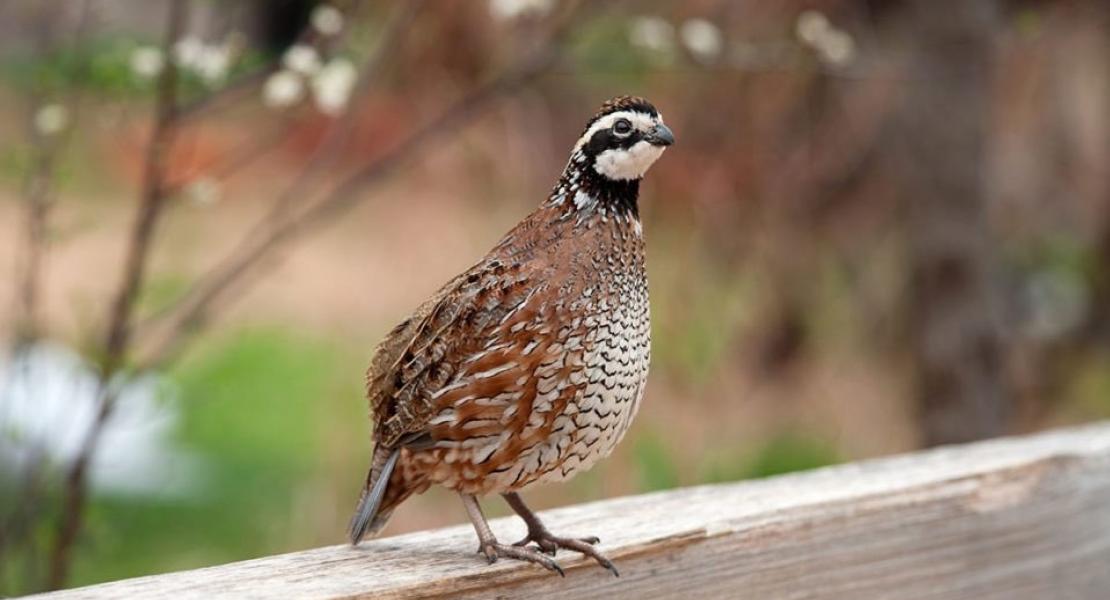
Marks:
<point>1012,518</point>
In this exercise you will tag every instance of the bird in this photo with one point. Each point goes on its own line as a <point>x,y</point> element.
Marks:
<point>528,367</point>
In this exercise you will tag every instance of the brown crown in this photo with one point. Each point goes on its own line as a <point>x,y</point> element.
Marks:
<point>626,103</point>
<point>622,103</point>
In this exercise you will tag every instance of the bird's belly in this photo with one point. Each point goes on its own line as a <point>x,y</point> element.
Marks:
<point>611,378</point>
<point>616,370</point>
<point>611,384</point>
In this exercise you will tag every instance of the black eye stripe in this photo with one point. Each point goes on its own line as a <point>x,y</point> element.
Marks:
<point>606,140</point>
<point>629,140</point>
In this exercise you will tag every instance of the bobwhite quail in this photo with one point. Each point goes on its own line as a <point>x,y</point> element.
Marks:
<point>528,367</point>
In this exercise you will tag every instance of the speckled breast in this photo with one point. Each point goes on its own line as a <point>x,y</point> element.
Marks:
<point>588,350</point>
<point>618,351</point>
<point>608,374</point>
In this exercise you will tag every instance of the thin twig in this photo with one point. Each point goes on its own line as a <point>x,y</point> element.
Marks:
<point>241,87</point>
<point>325,155</point>
<point>17,528</point>
<point>341,128</point>
<point>38,189</point>
<point>245,85</point>
<point>259,146</point>
<point>236,159</point>
<point>118,334</point>
<point>38,193</point>
<point>171,329</point>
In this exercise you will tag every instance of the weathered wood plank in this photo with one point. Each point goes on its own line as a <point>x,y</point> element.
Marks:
<point>1012,518</point>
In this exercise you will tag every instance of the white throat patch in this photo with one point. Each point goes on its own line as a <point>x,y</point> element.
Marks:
<point>624,164</point>
<point>628,164</point>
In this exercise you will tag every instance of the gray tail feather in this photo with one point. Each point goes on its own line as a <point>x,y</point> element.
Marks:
<point>364,519</point>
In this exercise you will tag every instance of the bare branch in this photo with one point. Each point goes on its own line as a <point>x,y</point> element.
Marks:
<point>38,195</point>
<point>242,87</point>
<point>340,131</point>
<point>18,526</point>
<point>169,330</point>
<point>38,188</point>
<point>118,334</point>
<point>259,146</point>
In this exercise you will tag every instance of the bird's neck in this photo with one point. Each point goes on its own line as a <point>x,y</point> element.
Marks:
<point>582,190</point>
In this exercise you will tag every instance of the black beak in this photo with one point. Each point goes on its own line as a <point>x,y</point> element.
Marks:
<point>660,136</point>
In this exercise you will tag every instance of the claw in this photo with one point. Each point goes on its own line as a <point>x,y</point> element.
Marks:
<point>494,551</point>
<point>547,543</point>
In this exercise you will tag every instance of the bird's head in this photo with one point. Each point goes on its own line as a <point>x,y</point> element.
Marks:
<point>623,139</point>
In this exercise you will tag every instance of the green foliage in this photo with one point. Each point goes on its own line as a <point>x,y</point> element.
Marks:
<point>101,64</point>
<point>253,399</point>
<point>1089,392</point>
<point>786,452</point>
<point>258,408</point>
<point>692,332</point>
<point>160,292</point>
<point>1055,252</point>
<point>88,181</point>
<point>602,44</point>
<point>657,467</point>
<point>15,160</point>
<point>655,463</point>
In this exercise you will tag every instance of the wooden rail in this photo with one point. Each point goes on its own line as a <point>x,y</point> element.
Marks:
<point>1014,518</point>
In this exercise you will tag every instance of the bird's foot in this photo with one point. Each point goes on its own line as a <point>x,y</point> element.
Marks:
<point>494,550</point>
<point>549,544</point>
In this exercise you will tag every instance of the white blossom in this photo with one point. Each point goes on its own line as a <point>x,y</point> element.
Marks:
<point>1057,301</point>
<point>332,86</point>
<point>839,48</point>
<point>302,58</point>
<point>203,191</point>
<point>213,63</point>
<point>51,119</point>
<point>282,89</point>
<point>507,10</point>
<point>833,46</point>
<point>652,33</point>
<point>810,26</point>
<point>327,19</point>
<point>702,38</point>
<point>147,61</point>
<point>187,51</point>
<point>49,397</point>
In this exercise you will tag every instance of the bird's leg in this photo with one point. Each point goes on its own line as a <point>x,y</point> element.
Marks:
<point>488,544</point>
<point>549,543</point>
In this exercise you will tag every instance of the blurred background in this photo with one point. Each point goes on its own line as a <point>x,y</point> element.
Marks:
<point>885,226</point>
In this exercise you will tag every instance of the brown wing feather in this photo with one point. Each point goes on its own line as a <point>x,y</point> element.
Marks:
<point>421,354</point>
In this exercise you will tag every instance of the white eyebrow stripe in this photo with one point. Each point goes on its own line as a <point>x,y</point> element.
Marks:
<point>640,120</point>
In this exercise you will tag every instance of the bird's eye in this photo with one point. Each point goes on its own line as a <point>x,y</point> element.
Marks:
<point>622,127</point>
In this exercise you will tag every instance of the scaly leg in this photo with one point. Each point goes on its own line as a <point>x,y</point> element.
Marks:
<point>550,543</point>
<point>493,550</point>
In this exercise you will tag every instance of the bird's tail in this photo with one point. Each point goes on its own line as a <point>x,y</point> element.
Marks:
<point>369,517</point>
